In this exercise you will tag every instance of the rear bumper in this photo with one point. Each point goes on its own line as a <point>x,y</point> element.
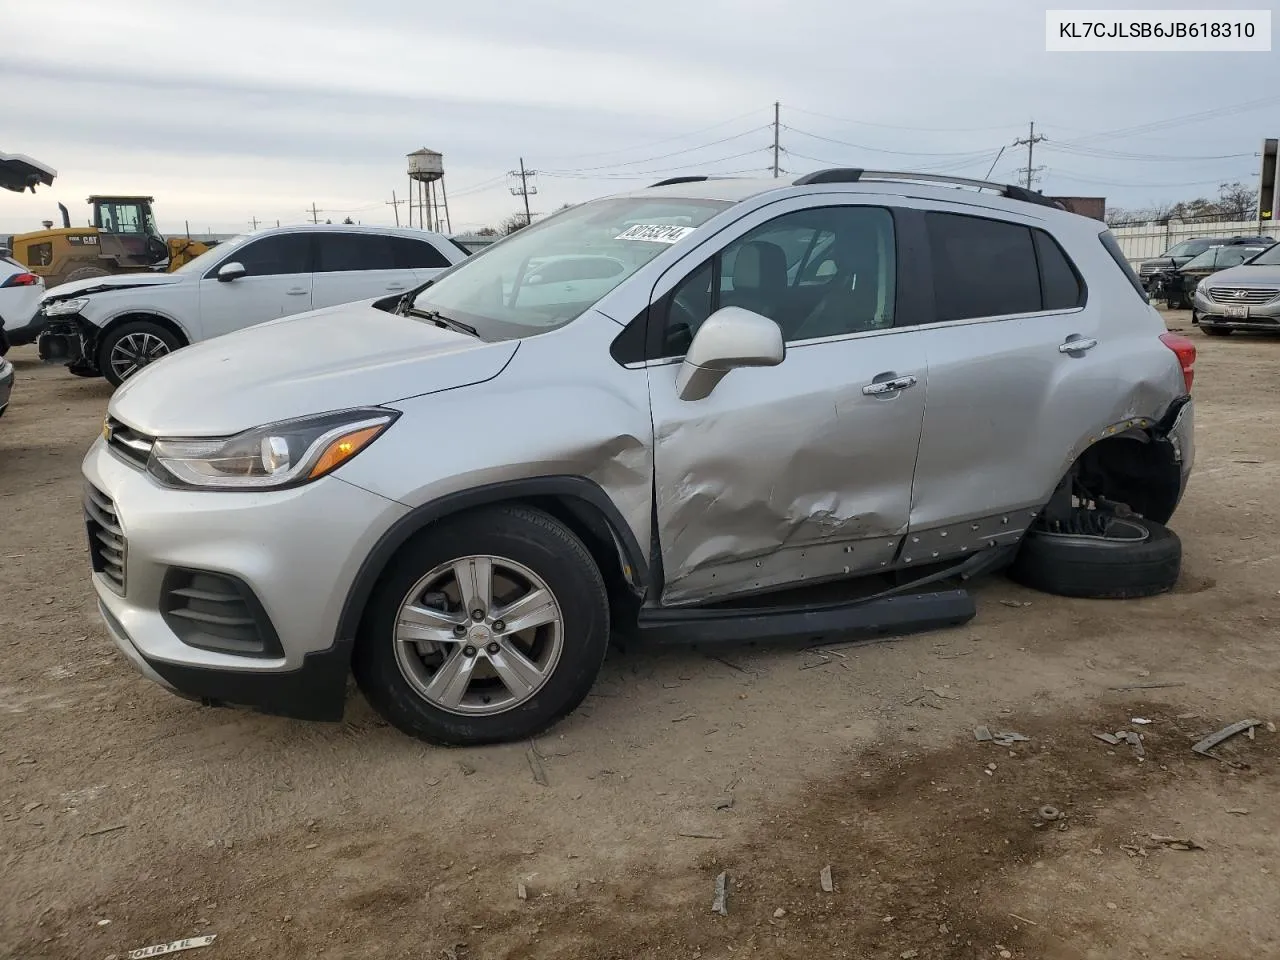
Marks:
<point>6,383</point>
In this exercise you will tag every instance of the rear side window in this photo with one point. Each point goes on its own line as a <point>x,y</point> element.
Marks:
<point>981,268</point>
<point>1112,247</point>
<point>336,252</point>
<point>1060,284</point>
<point>413,254</point>
<point>278,255</point>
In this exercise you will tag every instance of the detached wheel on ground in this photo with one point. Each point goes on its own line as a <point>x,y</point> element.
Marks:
<point>1101,556</point>
<point>131,346</point>
<point>488,627</point>
<point>1216,331</point>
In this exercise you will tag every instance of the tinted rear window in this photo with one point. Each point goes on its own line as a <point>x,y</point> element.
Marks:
<point>982,268</point>
<point>416,254</point>
<point>1112,247</point>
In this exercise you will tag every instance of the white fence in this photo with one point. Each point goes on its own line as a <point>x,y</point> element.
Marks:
<point>1146,240</point>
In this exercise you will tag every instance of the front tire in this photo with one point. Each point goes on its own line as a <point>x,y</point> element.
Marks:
<point>131,346</point>
<point>488,627</point>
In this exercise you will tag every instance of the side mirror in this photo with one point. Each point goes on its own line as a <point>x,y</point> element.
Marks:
<point>231,271</point>
<point>731,337</point>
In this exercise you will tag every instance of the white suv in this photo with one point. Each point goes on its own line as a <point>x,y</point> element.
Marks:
<point>114,326</point>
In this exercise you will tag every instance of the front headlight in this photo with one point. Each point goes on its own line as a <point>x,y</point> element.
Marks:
<point>283,454</point>
<point>60,308</point>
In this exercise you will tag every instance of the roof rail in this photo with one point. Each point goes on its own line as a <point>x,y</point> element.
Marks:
<point>858,175</point>
<point>670,181</point>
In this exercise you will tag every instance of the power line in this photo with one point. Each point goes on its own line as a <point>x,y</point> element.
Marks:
<point>1113,183</point>
<point>641,174</point>
<point>662,156</point>
<point>904,153</point>
<point>655,143</point>
<point>1099,154</point>
<point>890,126</point>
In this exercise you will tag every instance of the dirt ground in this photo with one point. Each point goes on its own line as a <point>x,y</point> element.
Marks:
<point>129,817</point>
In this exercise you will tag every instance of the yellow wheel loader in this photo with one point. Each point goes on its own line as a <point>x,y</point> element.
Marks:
<point>122,238</point>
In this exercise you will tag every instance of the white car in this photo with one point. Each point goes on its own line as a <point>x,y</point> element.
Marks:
<point>20,294</point>
<point>114,326</point>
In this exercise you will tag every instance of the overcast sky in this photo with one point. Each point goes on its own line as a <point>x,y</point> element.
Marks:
<point>258,108</point>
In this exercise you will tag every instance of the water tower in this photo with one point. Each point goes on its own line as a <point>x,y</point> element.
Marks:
<point>426,170</point>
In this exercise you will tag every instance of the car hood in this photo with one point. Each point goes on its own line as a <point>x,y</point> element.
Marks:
<point>123,281</point>
<point>1245,275</point>
<point>351,355</point>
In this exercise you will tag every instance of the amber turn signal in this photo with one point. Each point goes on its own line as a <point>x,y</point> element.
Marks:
<point>343,449</point>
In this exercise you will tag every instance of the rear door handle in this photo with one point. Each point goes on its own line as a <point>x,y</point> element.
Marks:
<point>888,386</point>
<point>296,292</point>
<point>1078,345</point>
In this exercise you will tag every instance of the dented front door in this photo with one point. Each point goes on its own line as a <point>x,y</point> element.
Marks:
<point>790,473</point>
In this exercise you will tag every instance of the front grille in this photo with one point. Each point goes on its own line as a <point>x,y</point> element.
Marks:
<point>1251,296</point>
<point>216,611</point>
<point>129,443</point>
<point>107,545</point>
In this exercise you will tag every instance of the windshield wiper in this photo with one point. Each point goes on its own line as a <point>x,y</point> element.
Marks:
<point>448,323</point>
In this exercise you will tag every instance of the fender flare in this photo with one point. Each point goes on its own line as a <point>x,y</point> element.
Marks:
<point>585,497</point>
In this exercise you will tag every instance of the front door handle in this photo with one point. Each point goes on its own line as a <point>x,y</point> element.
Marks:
<point>395,286</point>
<point>1077,345</point>
<point>888,386</point>
<point>296,292</point>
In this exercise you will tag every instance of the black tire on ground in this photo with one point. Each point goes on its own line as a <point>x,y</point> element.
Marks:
<point>526,536</point>
<point>1217,331</point>
<point>78,370</point>
<point>1071,566</point>
<point>134,332</point>
<point>85,273</point>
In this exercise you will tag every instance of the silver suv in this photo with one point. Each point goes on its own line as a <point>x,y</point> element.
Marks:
<point>710,410</point>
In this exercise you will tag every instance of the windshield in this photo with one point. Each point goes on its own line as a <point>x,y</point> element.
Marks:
<point>1269,257</point>
<point>1188,248</point>
<point>550,273</point>
<point>206,259</point>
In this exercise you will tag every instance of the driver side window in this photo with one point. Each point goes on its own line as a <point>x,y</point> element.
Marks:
<point>816,273</point>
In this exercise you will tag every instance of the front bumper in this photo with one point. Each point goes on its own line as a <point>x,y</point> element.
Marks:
<point>296,550</point>
<point>1210,313</point>
<point>65,340</point>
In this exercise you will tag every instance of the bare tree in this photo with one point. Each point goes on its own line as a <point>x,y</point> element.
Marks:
<point>1238,201</point>
<point>517,221</point>
<point>487,232</point>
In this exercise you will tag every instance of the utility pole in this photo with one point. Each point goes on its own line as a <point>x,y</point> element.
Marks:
<point>1030,143</point>
<point>524,189</point>
<point>776,111</point>
<point>253,222</point>
<point>394,204</point>
<point>315,214</point>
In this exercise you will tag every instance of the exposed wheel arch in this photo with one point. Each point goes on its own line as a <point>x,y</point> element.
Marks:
<point>579,503</point>
<point>148,317</point>
<point>1137,468</point>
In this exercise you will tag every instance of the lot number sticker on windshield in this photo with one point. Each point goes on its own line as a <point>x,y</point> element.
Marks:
<point>654,233</point>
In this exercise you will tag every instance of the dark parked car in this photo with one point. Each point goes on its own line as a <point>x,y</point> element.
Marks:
<point>1176,286</point>
<point>6,373</point>
<point>1183,252</point>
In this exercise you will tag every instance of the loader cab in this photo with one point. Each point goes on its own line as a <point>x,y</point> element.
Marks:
<point>127,231</point>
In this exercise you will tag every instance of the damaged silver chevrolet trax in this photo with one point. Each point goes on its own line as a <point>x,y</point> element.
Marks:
<point>710,410</point>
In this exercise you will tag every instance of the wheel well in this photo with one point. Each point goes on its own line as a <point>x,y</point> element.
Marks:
<point>155,318</point>
<point>587,522</point>
<point>1136,469</point>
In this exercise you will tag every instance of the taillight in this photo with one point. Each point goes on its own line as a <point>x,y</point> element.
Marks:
<point>1185,350</point>
<point>22,280</point>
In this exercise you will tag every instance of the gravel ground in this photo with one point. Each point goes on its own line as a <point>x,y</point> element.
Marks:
<point>129,817</point>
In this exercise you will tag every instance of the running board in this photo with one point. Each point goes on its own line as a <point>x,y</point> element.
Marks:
<point>902,614</point>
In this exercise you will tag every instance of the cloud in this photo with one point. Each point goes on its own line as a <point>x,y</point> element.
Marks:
<point>242,108</point>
